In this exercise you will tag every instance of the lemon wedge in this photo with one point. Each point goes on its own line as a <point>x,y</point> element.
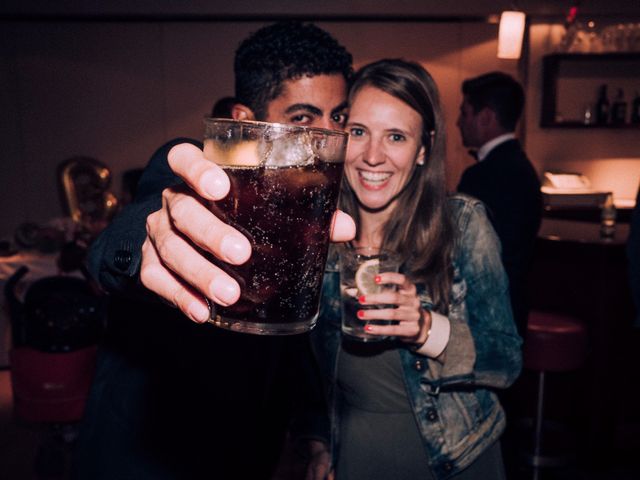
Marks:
<point>365,277</point>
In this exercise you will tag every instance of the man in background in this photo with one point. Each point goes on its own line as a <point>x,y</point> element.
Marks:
<point>503,178</point>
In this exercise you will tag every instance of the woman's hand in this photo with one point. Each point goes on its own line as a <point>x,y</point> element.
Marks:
<point>413,323</point>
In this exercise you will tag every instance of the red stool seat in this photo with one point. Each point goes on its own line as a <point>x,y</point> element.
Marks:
<point>554,343</point>
<point>51,387</point>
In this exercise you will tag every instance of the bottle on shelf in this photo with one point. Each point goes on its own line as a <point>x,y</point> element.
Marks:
<point>587,114</point>
<point>635,110</point>
<point>608,218</point>
<point>619,109</point>
<point>602,107</point>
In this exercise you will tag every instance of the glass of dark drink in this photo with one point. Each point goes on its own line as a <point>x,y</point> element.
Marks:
<point>285,182</point>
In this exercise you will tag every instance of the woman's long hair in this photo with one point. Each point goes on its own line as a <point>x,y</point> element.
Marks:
<point>419,228</point>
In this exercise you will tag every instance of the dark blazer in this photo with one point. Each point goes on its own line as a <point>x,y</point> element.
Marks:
<point>509,186</point>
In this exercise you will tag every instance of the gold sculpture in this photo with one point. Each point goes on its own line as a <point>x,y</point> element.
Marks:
<point>85,186</point>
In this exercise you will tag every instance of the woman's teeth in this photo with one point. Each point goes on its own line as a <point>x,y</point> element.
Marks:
<point>375,177</point>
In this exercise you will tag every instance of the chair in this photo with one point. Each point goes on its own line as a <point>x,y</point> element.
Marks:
<point>59,313</point>
<point>553,343</point>
<point>55,333</point>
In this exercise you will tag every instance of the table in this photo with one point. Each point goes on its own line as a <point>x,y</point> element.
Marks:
<point>577,272</point>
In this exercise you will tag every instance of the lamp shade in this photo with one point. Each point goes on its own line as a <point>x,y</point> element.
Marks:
<point>511,34</point>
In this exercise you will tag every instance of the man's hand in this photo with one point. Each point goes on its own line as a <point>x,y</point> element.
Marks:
<point>319,462</point>
<point>172,266</point>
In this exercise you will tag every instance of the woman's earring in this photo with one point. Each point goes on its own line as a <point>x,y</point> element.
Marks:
<point>420,160</point>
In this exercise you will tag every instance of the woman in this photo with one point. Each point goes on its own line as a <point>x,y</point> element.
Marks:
<point>422,406</point>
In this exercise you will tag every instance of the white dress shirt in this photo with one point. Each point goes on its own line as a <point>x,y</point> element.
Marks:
<point>485,149</point>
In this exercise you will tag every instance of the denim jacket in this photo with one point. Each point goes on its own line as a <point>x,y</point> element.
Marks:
<point>454,404</point>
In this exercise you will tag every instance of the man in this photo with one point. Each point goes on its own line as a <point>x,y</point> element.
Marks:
<point>172,398</point>
<point>503,178</point>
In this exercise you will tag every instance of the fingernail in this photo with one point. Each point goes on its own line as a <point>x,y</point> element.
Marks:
<point>360,314</point>
<point>377,279</point>
<point>368,328</point>
<point>198,312</point>
<point>235,248</point>
<point>361,299</point>
<point>215,184</point>
<point>225,290</point>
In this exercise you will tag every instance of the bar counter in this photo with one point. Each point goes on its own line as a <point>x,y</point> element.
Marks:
<point>573,231</point>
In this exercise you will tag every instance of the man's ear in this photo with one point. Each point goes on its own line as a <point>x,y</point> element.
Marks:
<point>242,112</point>
<point>488,117</point>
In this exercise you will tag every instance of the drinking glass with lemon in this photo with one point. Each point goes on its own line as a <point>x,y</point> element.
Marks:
<point>359,268</point>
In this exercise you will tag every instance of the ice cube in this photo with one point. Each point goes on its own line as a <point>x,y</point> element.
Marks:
<point>288,150</point>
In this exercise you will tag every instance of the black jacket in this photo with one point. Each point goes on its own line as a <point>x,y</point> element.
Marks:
<point>173,399</point>
<point>506,182</point>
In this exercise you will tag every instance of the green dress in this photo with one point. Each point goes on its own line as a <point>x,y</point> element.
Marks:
<point>379,437</point>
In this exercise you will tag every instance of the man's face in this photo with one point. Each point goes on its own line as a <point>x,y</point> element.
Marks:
<point>319,101</point>
<point>468,124</point>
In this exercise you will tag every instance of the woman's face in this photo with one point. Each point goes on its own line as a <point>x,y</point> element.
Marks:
<point>384,147</point>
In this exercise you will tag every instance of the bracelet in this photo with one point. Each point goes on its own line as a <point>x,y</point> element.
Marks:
<point>414,348</point>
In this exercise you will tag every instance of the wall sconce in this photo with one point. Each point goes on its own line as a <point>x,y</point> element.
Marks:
<point>510,34</point>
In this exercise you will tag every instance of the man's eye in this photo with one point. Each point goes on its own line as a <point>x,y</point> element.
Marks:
<point>396,137</point>
<point>339,118</point>
<point>356,132</point>
<point>302,118</point>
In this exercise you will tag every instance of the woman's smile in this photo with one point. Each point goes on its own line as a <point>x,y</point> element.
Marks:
<point>373,180</point>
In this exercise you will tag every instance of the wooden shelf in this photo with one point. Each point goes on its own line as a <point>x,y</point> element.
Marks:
<point>584,71</point>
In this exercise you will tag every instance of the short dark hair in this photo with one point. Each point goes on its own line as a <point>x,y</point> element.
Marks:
<point>499,92</point>
<point>284,51</point>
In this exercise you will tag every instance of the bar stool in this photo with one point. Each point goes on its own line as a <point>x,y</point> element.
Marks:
<point>553,343</point>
